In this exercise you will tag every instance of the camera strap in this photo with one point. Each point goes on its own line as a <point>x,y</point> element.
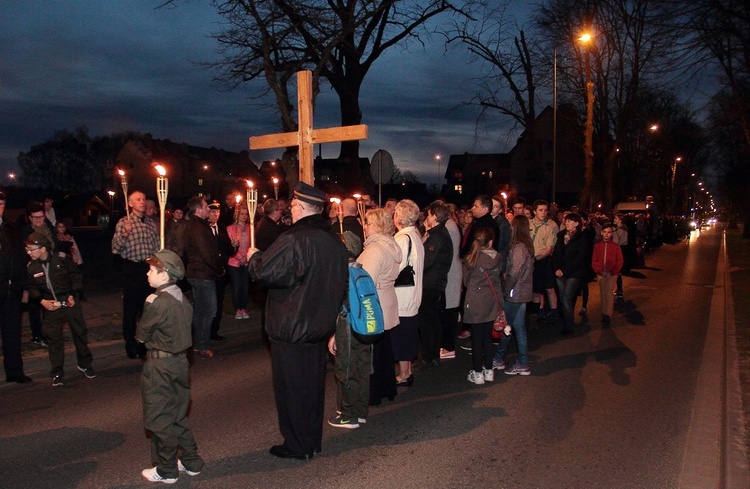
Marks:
<point>45,267</point>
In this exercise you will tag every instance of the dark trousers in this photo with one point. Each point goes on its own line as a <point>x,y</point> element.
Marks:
<point>221,287</point>
<point>52,325</point>
<point>165,391</point>
<point>449,323</point>
<point>35,318</point>
<point>430,329</point>
<point>481,346</point>
<point>382,380</point>
<point>352,372</point>
<point>299,372</point>
<point>10,333</point>
<point>135,289</point>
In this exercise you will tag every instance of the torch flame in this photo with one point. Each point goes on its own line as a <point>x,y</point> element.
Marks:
<point>121,172</point>
<point>249,183</point>
<point>238,198</point>
<point>161,170</point>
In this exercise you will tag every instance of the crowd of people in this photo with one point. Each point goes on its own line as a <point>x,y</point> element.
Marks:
<point>446,278</point>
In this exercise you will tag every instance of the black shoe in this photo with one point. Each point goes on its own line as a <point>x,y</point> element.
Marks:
<point>406,382</point>
<point>217,337</point>
<point>19,379</point>
<point>282,451</point>
<point>39,341</point>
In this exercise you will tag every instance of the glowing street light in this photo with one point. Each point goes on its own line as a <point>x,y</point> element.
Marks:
<point>587,39</point>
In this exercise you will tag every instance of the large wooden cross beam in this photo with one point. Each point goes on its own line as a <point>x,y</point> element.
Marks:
<point>306,136</point>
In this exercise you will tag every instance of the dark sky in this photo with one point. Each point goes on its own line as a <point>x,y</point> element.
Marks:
<point>126,65</point>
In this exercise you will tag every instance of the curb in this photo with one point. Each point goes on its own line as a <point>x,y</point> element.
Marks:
<point>715,454</point>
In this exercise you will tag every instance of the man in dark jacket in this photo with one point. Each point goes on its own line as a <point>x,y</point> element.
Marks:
<point>204,268</point>
<point>12,279</point>
<point>438,255</point>
<point>305,271</point>
<point>481,210</point>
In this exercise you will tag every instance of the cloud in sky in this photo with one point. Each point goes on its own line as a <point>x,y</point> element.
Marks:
<point>129,66</point>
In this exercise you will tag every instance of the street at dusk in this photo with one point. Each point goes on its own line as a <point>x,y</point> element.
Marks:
<point>615,407</point>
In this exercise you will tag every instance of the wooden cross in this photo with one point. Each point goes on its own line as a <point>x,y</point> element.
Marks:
<point>306,136</point>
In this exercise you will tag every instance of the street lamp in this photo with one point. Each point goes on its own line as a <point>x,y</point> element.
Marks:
<point>586,38</point>
<point>674,169</point>
<point>111,194</point>
<point>437,160</point>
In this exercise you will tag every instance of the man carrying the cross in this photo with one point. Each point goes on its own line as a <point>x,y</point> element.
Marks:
<point>305,271</point>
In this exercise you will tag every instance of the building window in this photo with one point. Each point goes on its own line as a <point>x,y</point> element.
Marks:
<point>325,178</point>
<point>200,182</point>
<point>490,175</point>
<point>459,189</point>
<point>458,175</point>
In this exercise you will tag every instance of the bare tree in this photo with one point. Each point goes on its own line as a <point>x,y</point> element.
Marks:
<point>338,40</point>
<point>635,41</point>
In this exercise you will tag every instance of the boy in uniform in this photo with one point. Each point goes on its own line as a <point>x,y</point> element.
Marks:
<point>55,281</point>
<point>164,328</point>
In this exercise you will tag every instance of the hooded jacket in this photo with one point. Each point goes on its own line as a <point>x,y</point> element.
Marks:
<point>381,257</point>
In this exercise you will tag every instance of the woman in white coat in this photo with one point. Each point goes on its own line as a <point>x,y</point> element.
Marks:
<point>405,337</point>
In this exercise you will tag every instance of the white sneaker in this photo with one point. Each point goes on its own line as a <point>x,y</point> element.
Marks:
<point>182,468</point>
<point>152,475</point>
<point>489,375</point>
<point>475,378</point>
<point>238,315</point>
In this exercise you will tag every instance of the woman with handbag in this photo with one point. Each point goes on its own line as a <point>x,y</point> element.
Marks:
<point>518,286</point>
<point>483,302</point>
<point>405,337</point>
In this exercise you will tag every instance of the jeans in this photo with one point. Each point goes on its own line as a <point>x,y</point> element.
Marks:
<point>240,286</point>
<point>204,310</point>
<point>568,289</point>
<point>515,313</point>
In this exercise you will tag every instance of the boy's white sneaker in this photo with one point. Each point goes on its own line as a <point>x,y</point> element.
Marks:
<point>152,475</point>
<point>475,377</point>
<point>182,468</point>
<point>489,375</point>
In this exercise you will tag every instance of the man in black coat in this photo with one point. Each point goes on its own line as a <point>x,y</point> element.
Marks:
<point>305,271</point>
<point>482,219</point>
<point>12,278</point>
<point>203,269</point>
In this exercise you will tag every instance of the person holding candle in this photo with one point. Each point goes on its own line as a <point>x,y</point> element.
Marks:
<point>136,238</point>
<point>239,234</point>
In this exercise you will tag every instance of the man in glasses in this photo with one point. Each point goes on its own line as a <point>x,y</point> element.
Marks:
<point>54,281</point>
<point>305,271</point>
<point>37,223</point>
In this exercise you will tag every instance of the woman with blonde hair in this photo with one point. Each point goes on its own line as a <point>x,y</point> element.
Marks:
<point>405,338</point>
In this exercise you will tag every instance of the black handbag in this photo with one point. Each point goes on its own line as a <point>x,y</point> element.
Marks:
<point>406,276</point>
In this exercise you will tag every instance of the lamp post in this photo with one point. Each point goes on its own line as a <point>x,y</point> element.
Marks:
<point>437,160</point>
<point>652,128</point>
<point>162,188</point>
<point>554,126</point>
<point>589,132</point>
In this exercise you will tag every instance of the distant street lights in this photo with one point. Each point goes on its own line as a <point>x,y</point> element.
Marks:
<point>437,160</point>
<point>111,194</point>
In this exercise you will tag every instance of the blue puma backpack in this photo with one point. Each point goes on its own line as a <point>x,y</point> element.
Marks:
<point>362,307</point>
